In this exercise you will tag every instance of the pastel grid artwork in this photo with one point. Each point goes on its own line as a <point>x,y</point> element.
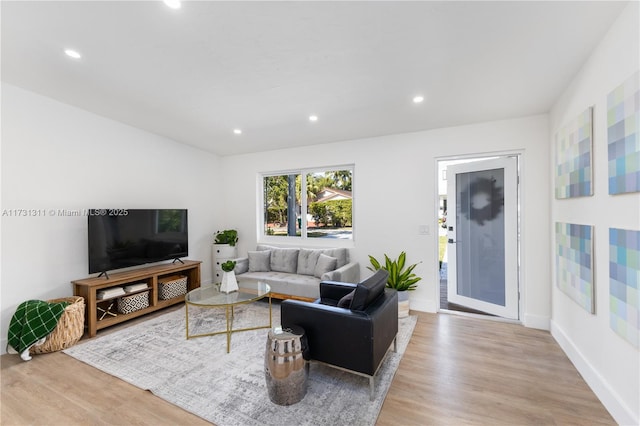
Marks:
<point>623,135</point>
<point>574,263</point>
<point>624,283</point>
<point>573,157</point>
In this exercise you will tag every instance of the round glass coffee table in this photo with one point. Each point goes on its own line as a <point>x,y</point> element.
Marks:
<point>211,297</point>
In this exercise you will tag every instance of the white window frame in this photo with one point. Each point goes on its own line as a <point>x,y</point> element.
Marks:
<point>303,239</point>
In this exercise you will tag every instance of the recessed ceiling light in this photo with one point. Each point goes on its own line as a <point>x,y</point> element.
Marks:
<point>72,53</point>
<point>313,118</point>
<point>173,4</point>
<point>418,99</point>
<point>237,131</point>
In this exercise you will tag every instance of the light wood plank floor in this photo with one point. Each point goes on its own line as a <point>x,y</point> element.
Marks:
<point>456,371</point>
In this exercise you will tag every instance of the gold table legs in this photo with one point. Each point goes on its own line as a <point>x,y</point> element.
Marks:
<point>229,315</point>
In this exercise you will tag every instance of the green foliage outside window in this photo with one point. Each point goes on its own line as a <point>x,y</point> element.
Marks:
<point>335,213</point>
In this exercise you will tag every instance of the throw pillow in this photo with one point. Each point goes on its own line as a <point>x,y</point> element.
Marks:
<point>341,254</point>
<point>325,264</point>
<point>284,260</point>
<point>345,302</point>
<point>259,261</point>
<point>307,260</point>
<point>369,290</point>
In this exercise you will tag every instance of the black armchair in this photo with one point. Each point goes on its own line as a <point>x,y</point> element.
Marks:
<point>351,326</point>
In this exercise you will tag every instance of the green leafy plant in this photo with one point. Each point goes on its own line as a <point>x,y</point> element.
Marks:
<point>335,213</point>
<point>400,278</point>
<point>228,265</point>
<point>228,236</point>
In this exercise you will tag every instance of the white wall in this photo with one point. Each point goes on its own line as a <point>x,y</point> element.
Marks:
<point>607,362</point>
<point>395,191</point>
<point>55,156</point>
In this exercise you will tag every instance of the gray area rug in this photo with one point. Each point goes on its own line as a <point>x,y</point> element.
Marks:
<point>230,389</point>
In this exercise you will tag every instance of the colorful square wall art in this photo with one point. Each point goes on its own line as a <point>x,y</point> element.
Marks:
<point>574,263</point>
<point>624,279</point>
<point>623,136</point>
<point>574,172</point>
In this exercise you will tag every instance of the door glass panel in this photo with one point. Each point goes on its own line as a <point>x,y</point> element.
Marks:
<point>480,235</point>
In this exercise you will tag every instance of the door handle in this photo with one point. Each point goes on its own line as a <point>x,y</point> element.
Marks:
<point>450,241</point>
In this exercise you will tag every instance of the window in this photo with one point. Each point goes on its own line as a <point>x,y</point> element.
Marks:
<point>327,203</point>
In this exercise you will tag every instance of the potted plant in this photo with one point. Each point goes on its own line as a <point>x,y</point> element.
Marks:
<point>229,282</point>
<point>228,236</point>
<point>401,278</point>
<point>224,245</point>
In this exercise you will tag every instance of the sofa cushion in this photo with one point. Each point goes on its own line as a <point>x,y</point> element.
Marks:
<point>307,260</point>
<point>284,260</point>
<point>325,264</point>
<point>259,261</point>
<point>369,290</point>
<point>341,254</point>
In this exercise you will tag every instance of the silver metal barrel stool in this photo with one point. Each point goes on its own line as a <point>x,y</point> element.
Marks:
<point>285,367</point>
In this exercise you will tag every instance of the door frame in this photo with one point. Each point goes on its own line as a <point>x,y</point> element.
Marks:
<point>520,161</point>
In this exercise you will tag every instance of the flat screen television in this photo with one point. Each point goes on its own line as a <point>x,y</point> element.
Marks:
<point>121,238</point>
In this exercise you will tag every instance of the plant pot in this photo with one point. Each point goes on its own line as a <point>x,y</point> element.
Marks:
<point>225,251</point>
<point>403,304</point>
<point>220,253</point>
<point>229,282</point>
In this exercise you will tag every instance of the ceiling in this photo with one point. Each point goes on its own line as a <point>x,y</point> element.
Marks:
<point>197,73</point>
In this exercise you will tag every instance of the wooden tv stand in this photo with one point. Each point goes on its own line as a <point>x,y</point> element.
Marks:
<point>152,275</point>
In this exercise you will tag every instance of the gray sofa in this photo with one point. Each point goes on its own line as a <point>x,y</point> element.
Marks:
<point>295,273</point>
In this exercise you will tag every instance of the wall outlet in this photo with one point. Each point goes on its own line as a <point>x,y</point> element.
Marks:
<point>423,229</point>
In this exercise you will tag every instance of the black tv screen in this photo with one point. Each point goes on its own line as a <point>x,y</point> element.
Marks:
<point>121,238</point>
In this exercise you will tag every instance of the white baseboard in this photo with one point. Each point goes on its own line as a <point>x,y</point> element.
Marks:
<point>422,305</point>
<point>536,321</point>
<point>619,411</point>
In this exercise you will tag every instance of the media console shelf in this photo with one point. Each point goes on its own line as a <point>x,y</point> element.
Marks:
<point>152,275</point>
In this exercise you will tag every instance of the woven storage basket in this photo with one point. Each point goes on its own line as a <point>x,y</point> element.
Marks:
<point>135,302</point>
<point>174,287</point>
<point>69,329</point>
